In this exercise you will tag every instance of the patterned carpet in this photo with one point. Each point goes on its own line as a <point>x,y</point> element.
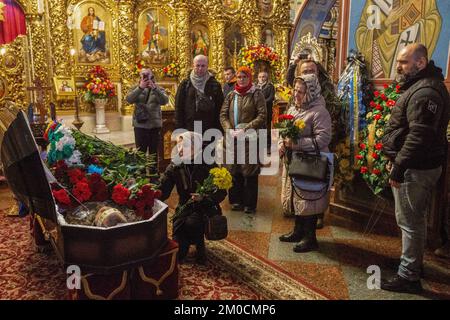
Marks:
<point>230,274</point>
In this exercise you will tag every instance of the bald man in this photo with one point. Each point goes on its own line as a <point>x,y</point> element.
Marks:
<point>415,143</point>
<point>199,98</point>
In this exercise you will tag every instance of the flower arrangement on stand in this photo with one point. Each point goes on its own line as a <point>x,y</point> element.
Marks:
<point>88,169</point>
<point>289,127</point>
<point>98,85</point>
<point>171,70</point>
<point>248,56</point>
<point>371,161</point>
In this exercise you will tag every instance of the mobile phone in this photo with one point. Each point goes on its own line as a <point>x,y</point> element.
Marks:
<point>145,77</point>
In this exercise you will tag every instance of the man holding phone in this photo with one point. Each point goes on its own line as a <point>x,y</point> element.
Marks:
<point>148,98</point>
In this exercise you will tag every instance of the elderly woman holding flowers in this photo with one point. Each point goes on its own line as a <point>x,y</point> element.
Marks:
<point>200,187</point>
<point>309,106</point>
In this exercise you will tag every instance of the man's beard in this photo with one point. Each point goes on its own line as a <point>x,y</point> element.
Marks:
<point>402,78</point>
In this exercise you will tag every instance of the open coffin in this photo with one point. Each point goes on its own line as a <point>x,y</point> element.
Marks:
<point>93,249</point>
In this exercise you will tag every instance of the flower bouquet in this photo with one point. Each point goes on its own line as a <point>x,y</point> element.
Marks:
<point>172,70</point>
<point>89,170</point>
<point>289,127</point>
<point>370,159</point>
<point>98,85</point>
<point>248,56</point>
<point>218,179</point>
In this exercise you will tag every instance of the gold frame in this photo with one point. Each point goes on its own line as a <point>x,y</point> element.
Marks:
<point>66,95</point>
<point>171,88</point>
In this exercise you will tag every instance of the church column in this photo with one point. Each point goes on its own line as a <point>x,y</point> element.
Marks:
<point>219,50</point>
<point>58,37</point>
<point>127,50</point>
<point>282,47</point>
<point>38,51</point>
<point>183,37</point>
<point>257,32</point>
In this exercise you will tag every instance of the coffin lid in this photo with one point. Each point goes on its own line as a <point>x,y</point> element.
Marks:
<point>22,164</point>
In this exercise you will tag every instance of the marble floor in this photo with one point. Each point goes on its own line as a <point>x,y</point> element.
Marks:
<point>339,268</point>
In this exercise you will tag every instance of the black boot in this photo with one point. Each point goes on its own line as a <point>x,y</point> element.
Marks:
<point>200,256</point>
<point>309,241</point>
<point>182,252</point>
<point>319,224</point>
<point>296,234</point>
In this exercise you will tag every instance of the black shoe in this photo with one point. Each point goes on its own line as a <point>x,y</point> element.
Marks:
<point>296,235</point>
<point>309,241</point>
<point>399,284</point>
<point>237,207</point>
<point>200,256</point>
<point>249,210</point>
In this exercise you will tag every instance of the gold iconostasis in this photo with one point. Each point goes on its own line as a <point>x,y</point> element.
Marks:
<point>65,39</point>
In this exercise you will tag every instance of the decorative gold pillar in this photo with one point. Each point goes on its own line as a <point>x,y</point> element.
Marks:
<point>283,46</point>
<point>219,49</point>
<point>127,49</point>
<point>38,52</point>
<point>58,37</point>
<point>183,36</point>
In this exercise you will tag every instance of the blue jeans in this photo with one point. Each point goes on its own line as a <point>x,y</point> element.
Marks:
<point>412,202</point>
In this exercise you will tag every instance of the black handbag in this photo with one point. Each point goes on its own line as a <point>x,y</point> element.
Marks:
<point>216,227</point>
<point>141,113</point>
<point>309,166</point>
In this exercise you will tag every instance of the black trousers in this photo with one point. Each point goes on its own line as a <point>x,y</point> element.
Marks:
<point>147,140</point>
<point>244,191</point>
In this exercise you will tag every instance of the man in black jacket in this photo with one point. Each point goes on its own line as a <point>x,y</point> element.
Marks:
<point>415,142</point>
<point>199,98</point>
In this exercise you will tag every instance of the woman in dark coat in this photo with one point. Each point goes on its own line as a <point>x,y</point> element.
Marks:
<point>188,225</point>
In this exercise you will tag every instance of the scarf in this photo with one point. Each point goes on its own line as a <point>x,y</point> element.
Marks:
<point>313,89</point>
<point>243,90</point>
<point>261,85</point>
<point>198,82</point>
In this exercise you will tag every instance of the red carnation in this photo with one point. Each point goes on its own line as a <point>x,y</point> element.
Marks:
<point>391,103</point>
<point>364,170</point>
<point>377,117</point>
<point>375,155</point>
<point>373,104</point>
<point>76,175</point>
<point>362,145</point>
<point>386,86</point>
<point>376,93</point>
<point>359,157</point>
<point>379,146</point>
<point>376,172</point>
<point>81,191</point>
<point>383,97</point>
<point>120,194</point>
<point>379,107</point>
<point>98,188</point>
<point>61,196</point>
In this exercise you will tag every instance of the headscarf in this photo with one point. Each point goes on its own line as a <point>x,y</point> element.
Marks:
<point>199,82</point>
<point>185,142</point>
<point>313,89</point>
<point>248,72</point>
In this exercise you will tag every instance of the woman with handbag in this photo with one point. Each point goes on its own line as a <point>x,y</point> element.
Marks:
<point>244,109</point>
<point>308,105</point>
<point>186,173</point>
<point>148,98</point>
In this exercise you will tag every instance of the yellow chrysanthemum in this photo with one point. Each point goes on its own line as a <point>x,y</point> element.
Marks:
<point>369,115</point>
<point>379,133</point>
<point>299,123</point>
<point>221,178</point>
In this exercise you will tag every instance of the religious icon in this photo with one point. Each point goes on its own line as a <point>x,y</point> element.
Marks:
<point>234,42</point>
<point>268,38</point>
<point>92,35</point>
<point>200,40</point>
<point>64,86</point>
<point>230,4</point>
<point>153,35</point>
<point>265,7</point>
<point>381,35</point>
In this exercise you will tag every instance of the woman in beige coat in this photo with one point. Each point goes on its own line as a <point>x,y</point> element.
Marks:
<point>243,109</point>
<point>308,105</point>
